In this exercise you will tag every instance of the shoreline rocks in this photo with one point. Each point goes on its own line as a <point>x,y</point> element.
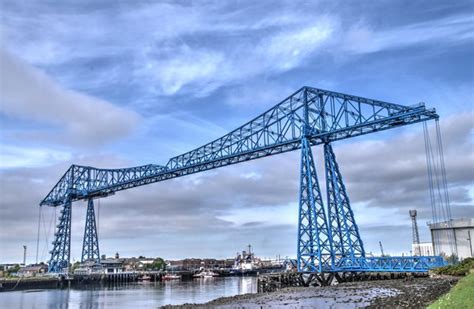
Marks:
<point>402,293</point>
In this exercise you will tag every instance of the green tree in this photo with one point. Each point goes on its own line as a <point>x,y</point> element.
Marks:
<point>158,264</point>
<point>74,266</point>
<point>12,270</point>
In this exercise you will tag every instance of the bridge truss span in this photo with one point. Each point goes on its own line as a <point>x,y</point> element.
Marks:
<point>320,115</point>
<point>306,118</point>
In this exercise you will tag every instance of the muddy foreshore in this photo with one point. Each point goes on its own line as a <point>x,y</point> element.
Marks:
<point>401,293</point>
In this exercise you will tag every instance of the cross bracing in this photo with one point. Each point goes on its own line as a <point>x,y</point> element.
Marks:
<point>331,116</point>
<point>308,117</point>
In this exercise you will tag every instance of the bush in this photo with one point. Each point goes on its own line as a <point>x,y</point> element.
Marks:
<point>460,269</point>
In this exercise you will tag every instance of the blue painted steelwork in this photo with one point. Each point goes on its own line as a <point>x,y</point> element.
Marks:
<point>389,264</point>
<point>306,118</point>
<point>61,252</point>
<point>346,241</point>
<point>331,116</point>
<point>314,245</point>
<point>90,245</point>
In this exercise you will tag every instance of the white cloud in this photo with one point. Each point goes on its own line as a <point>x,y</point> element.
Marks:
<point>288,49</point>
<point>267,215</point>
<point>27,93</point>
<point>183,66</point>
<point>362,38</point>
<point>171,48</point>
<point>13,156</point>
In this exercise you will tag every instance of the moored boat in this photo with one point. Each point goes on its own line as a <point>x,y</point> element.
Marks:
<point>171,277</point>
<point>144,278</point>
<point>205,274</point>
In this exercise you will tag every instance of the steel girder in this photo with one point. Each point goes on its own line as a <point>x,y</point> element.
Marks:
<point>90,245</point>
<point>314,245</point>
<point>389,264</point>
<point>61,252</point>
<point>326,116</point>
<point>306,118</point>
<point>346,241</point>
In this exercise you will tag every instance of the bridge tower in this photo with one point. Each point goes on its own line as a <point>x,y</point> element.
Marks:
<point>346,241</point>
<point>90,245</point>
<point>61,252</point>
<point>314,250</point>
<point>314,245</point>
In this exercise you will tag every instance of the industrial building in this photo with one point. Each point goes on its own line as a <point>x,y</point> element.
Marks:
<point>453,237</point>
<point>419,248</point>
<point>423,248</point>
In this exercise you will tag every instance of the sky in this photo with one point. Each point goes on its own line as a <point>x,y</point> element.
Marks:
<point>126,83</point>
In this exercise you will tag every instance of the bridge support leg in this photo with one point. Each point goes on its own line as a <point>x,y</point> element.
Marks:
<point>315,279</point>
<point>90,245</point>
<point>342,225</point>
<point>314,245</point>
<point>61,252</point>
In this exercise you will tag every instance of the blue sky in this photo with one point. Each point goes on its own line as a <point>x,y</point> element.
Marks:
<point>116,83</point>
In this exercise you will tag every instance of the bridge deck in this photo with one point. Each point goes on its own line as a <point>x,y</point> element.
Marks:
<point>388,264</point>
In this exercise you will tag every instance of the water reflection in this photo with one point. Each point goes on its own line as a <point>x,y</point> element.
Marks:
<point>131,295</point>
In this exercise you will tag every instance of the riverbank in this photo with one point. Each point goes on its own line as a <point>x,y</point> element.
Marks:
<point>460,296</point>
<point>24,283</point>
<point>406,293</point>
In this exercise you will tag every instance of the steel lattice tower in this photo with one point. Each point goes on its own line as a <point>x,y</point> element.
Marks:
<point>346,241</point>
<point>61,252</point>
<point>314,246</point>
<point>306,118</point>
<point>90,246</point>
<point>414,226</point>
<point>416,235</point>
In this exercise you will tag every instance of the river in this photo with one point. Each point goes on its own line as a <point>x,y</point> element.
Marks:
<point>132,295</point>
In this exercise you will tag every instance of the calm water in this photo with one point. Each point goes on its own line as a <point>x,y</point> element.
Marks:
<point>136,295</point>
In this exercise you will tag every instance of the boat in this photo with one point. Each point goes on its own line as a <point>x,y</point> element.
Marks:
<point>246,263</point>
<point>171,277</point>
<point>144,278</point>
<point>205,274</point>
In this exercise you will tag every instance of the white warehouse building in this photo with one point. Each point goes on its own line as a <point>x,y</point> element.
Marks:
<point>423,248</point>
<point>459,232</point>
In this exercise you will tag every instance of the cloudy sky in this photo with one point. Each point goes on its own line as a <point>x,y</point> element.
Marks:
<point>121,83</point>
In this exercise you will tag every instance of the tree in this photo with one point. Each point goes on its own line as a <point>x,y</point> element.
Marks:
<point>75,265</point>
<point>13,270</point>
<point>157,264</point>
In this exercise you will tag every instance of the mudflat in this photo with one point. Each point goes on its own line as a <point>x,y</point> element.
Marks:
<point>400,293</point>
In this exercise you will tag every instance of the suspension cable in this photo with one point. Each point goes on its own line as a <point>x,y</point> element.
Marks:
<point>443,171</point>
<point>451,233</point>
<point>98,217</point>
<point>435,160</point>
<point>432,179</point>
<point>47,230</point>
<point>438,185</point>
<point>430,173</point>
<point>38,234</point>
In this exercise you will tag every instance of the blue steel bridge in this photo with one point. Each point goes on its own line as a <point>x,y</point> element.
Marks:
<point>328,239</point>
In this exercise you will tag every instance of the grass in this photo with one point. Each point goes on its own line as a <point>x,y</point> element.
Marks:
<point>459,297</point>
<point>459,269</point>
